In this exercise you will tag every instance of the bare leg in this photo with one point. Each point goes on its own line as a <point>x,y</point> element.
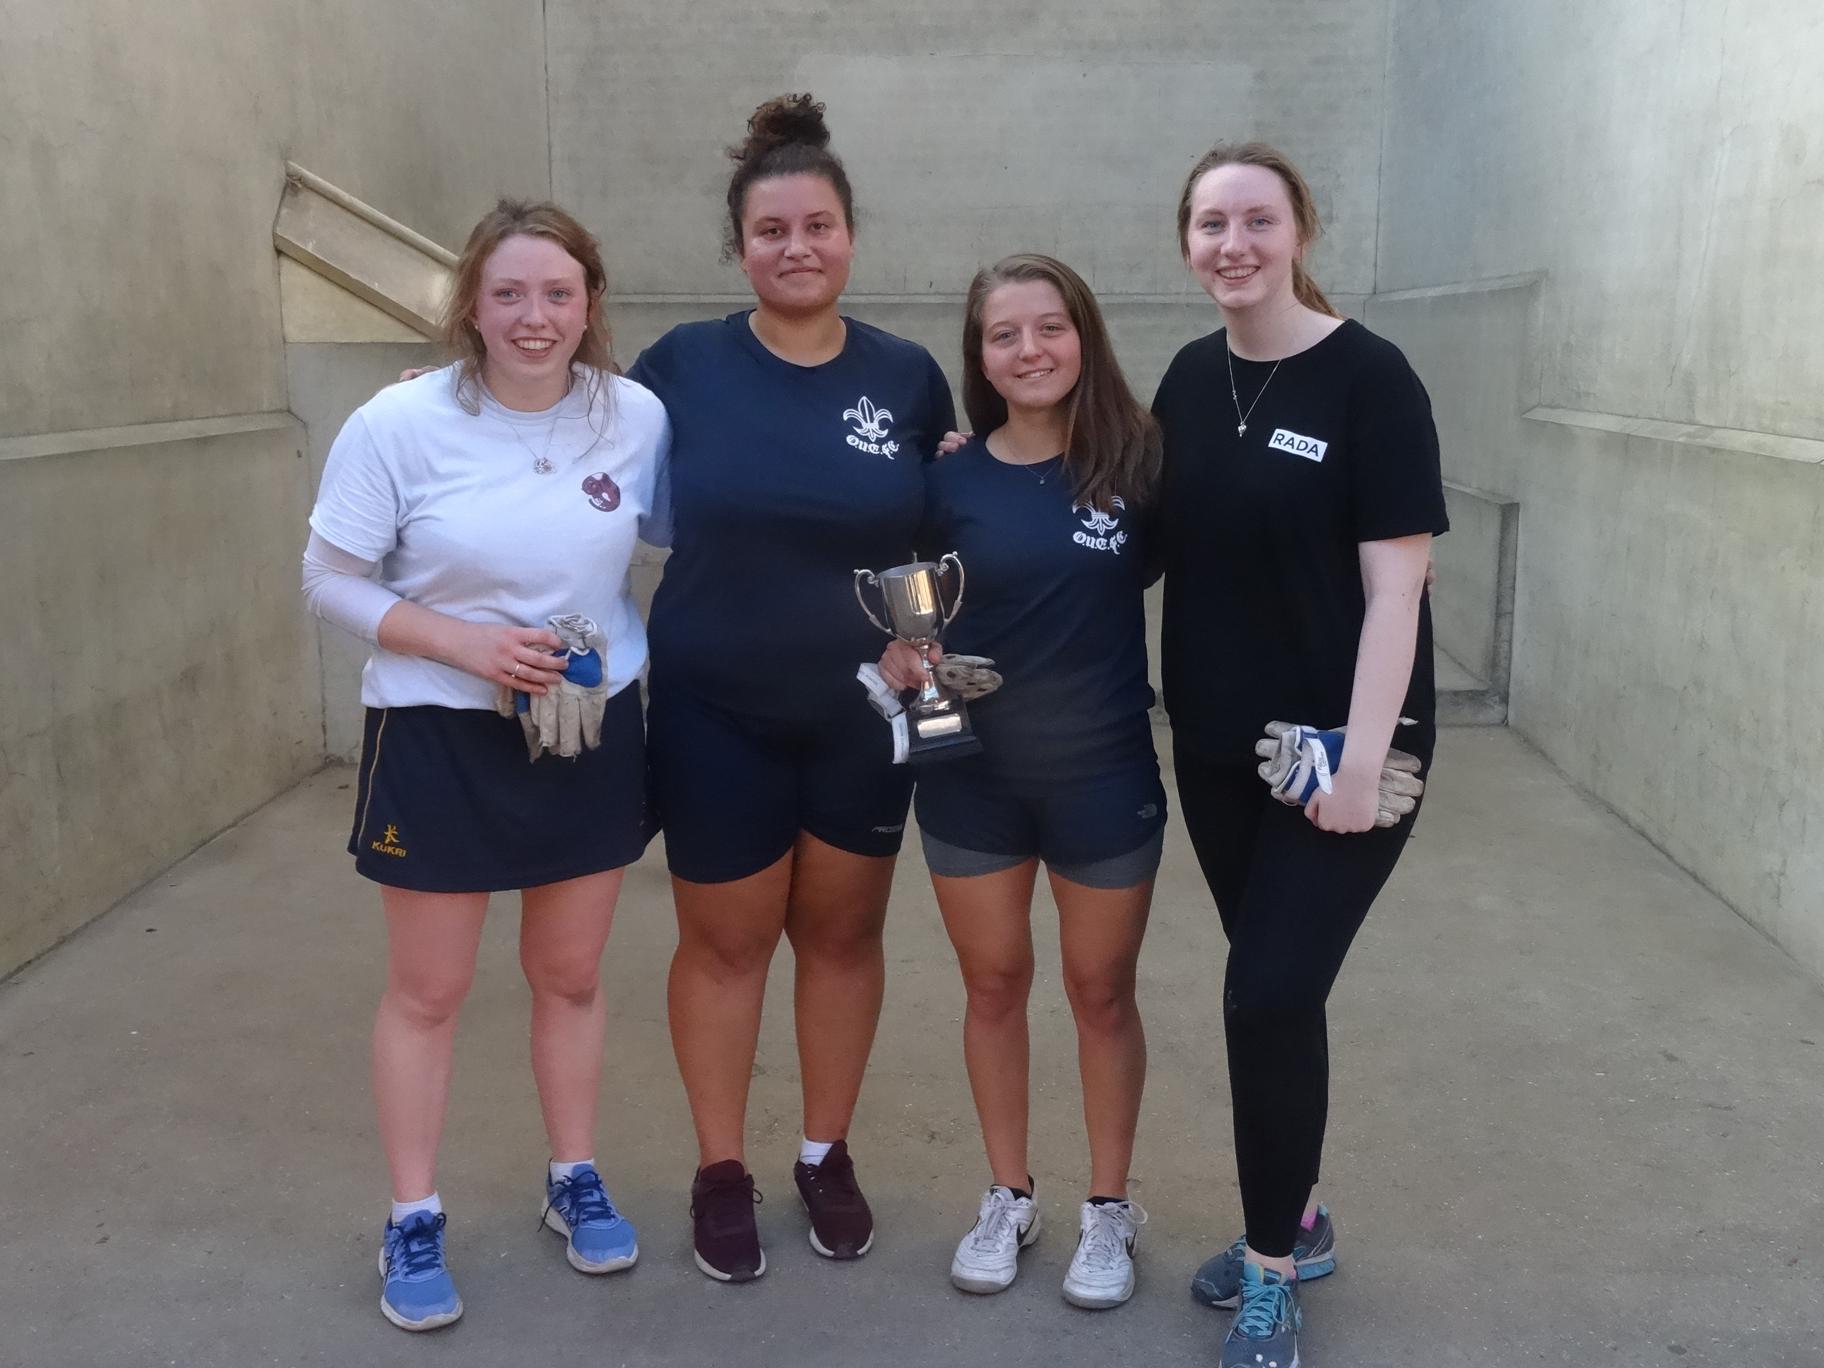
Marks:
<point>727,933</point>
<point>563,928</point>
<point>989,918</point>
<point>838,910</point>
<point>1100,932</point>
<point>432,940</point>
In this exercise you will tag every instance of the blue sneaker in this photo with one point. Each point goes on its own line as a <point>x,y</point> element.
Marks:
<point>1218,1282</point>
<point>1265,1332</point>
<point>416,1291</point>
<point>600,1239</point>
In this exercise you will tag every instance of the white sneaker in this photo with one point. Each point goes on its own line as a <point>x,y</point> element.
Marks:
<point>989,1256</point>
<point>1102,1270</point>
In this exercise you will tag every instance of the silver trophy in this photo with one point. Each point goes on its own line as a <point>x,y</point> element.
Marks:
<point>937,721</point>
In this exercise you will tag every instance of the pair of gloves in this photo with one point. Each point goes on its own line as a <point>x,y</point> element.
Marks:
<point>567,717</point>
<point>1299,761</point>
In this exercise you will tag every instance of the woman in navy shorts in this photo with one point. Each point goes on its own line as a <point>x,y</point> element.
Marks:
<point>1048,508</point>
<point>800,438</point>
<point>457,514</point>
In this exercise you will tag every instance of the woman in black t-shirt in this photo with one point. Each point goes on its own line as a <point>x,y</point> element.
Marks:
<point>1048,512</point>
<point>1301,493</point>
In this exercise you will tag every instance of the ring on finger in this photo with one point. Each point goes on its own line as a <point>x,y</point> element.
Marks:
<point>516,666</point>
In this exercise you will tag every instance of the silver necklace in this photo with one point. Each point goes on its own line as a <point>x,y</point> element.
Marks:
<point>541,460</point>
<point>1042,470</point>
<point>1241,419</point>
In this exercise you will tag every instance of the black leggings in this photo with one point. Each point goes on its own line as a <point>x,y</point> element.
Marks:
<point>1291,899</point>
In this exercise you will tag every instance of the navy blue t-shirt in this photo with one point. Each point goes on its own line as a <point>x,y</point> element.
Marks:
<point>784,480</point>
<point>1053,594</point>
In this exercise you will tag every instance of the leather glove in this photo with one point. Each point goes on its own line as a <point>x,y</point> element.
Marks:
<point>1299,761</point>
<point>567,717</point>
<point>967,676</point>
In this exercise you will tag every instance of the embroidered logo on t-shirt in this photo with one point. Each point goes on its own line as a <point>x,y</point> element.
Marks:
<point>870,433</point>
<point>1102,534</point>
<point>1308,447</point>
<point>603,492</point>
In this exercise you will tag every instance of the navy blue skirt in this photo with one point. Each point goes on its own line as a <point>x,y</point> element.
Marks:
<point>447,802</point>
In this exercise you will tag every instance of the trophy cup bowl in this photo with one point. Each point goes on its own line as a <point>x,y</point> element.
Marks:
<point>912,601</point>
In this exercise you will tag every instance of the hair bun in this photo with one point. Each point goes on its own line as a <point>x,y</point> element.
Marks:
<point>784,121</point>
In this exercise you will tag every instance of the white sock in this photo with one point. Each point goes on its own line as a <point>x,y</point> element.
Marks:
<point>559,1172</point>
<point>814,1152</point>
<point>401,1210</point>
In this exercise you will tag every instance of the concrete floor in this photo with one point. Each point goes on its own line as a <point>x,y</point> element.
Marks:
<point>1577,1118</point>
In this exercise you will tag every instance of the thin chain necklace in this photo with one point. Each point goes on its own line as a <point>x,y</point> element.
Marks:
<point>541,460</point>
<point>1241,419</point>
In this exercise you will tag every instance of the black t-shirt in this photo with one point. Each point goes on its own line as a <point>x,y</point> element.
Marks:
<point>1053,594</point>
<point>1263,587</point>
<point>784,480</point>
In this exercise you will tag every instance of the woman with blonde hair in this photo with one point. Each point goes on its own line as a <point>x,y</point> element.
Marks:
<point>475,526</point>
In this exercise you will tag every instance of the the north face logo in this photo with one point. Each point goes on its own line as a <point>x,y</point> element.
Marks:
<point>870,428</point>
<point>1102,534</point>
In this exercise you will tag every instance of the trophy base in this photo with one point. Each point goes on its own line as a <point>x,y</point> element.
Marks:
<point>944,735</point>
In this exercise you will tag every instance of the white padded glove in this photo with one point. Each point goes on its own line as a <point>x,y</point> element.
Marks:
<point>1299,761</point>
<point>567,717</point>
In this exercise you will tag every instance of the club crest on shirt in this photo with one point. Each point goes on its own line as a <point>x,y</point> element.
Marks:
<point>604,493</point>
<point>1104,532</point>
<point>870,433</point>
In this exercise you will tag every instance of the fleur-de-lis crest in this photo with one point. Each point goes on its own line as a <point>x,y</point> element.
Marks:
<point>870,422</point>
<point>1103,523</point>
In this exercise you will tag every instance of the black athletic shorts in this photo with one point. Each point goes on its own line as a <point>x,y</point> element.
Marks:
<point>732,792</point>
<point>962,804</point>
<point>447,802</point>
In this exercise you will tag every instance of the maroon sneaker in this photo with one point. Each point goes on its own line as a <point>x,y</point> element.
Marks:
<point>842,1227</point>
<point>726,1239</point>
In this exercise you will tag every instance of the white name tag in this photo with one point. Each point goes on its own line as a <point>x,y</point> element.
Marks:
<point>1308,447</point>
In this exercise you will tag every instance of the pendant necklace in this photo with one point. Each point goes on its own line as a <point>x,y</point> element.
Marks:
<point>1241,419</point>
<point>541,460</point>
<point>1038,468</point>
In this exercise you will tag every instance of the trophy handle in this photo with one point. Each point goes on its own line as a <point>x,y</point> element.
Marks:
<point>869,576</point>
<point>956,604</point>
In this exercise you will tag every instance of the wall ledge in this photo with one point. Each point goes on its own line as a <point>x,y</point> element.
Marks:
<point>1778,446</point>
<point>143,434</point>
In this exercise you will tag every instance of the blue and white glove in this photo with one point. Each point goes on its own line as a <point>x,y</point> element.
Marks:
<point>567,717</point>
<point>1298,761</point>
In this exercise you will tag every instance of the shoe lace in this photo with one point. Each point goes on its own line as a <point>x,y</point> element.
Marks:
<point>417,1247</point>
<point>992,1221</point>
<point>738,1191</point>
<point>1106,1228</point>
<point>582,1200</point>
<point>835,1177</point>
<point>1263,1306</point>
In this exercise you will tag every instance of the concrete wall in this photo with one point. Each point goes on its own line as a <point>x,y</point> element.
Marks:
<point>153,488</point>
<point>970,132</point>
<point>1662,168</point>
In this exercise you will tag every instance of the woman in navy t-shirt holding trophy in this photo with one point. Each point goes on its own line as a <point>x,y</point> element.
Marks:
<point>1048,510</point>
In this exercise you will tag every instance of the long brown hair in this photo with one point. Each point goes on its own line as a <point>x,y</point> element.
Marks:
<point>522,218</point>
<point>1304,212</point>
<point>1111,444</point>
<point>786,136</point>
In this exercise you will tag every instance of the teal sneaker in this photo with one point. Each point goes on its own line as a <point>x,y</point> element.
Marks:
<point>1265,1331</point>
<point>598,1238</point>
<point>1218,1282</point>
<point>416,1291</point>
